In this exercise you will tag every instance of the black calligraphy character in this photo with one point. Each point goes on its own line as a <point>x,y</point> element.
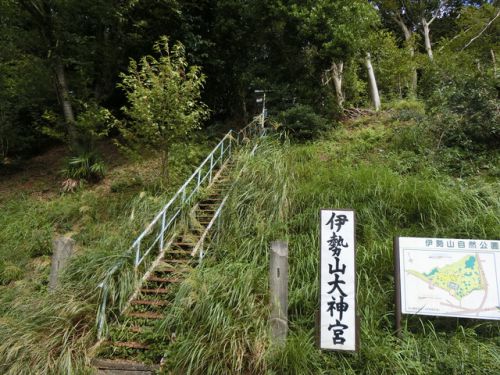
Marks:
<point>340,307</point>
<point>335,244</point>
<point>337,268</point>
<point>335,285</point>
<point>338,331</point>
<point>339,221</point>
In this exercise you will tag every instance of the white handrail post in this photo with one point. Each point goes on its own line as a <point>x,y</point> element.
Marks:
<point>184,195</point>
<point>218,223</point>
<point>162,229</point>
<point>102,312</point>
<point>137,254</point>
<point>199,178</point>
<point>211,166</point>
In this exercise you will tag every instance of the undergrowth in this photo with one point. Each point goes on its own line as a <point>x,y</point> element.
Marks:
<point>221,313</point>
<point>383,167</point>
<point>51,333</point>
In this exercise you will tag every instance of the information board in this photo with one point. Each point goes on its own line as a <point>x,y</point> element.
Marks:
<point>448,277</point>
<point>338,325</point>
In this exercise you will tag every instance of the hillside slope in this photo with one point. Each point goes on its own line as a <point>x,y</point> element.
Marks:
<point>375,166</point>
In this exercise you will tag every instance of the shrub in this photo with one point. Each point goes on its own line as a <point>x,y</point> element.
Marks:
<point>165,105</point>
<point>127,184</point>
<point>406,110</point>
<point>9,273</point>
<point>86,166</point>
<point>463,106</point>
<point>41,241</point>
<point>302,123</point>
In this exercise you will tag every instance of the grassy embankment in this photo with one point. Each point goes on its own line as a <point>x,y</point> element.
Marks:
<point>382,168</point>
<point>42,333</point>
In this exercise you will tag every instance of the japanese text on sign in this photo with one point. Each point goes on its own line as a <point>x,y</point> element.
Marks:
<point>337,281</point>
<point>449,277</point>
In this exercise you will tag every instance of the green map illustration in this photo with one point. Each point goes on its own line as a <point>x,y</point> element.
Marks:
<point>458,279</point>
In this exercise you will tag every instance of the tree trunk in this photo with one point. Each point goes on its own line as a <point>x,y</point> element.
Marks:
<point>243,106</point>
<point>373,83</point>
<point>164,170</point>
<point>427,38</point>
<point>408,38</point>
<point>494,61</point>
<point>337,70</point>
<point>64,98</point>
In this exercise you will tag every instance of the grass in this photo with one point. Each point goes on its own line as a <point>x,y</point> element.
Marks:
<point>384,167</point>
<point>221,313</point>
<point>43,333</point>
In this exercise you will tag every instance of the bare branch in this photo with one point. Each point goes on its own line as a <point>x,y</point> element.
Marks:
<point>482,31</point>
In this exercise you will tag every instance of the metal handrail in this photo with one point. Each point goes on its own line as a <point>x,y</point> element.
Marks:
<point>166,218</point>
<point>217,215</point>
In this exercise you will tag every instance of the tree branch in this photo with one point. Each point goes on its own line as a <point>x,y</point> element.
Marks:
<point>482,31</point>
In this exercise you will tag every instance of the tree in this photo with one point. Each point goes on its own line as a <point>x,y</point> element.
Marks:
<point>393,65</point>
<point>164,101</point>
<point>374,94</point>
<point>396,11</point>
<point>44,16</point>
<point>337,30</point>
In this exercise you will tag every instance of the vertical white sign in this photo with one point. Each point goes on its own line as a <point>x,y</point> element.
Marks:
<point>338,324</point>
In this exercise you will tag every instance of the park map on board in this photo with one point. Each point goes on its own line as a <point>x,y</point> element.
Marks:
<point>449,280</point>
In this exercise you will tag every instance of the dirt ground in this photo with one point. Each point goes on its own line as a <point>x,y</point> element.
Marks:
<point>41,177</point>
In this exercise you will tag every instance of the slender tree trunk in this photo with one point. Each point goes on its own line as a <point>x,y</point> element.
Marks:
<point>427,38</point>
<point>337,70</point>
<point>373,83</point>
<point>64,98</point>
<point>408,34</point>
<point>164,167</point>
<point>494,61</point>
<point>243,106</point>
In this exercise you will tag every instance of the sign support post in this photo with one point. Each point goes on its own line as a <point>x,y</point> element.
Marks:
<point>397,289</point>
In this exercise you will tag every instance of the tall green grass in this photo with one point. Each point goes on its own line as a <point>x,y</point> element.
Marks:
<point>221,313</point>
<point>44,333</point>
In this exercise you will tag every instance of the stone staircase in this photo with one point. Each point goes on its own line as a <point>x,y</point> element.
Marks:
<point>129,350</point>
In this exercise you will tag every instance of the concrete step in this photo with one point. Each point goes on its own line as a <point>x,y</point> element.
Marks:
<point>155,291</point>
<point>145,315</point>
<point>178,252</point>
<point>145,302</point>
<point>217,199</point>
<point>162,271</point>
<point>122,367</point>
<point>206,211</point>
<point>183,245</point>
<point>157,279</point>
<point>178,261</point>
<point>130,345</point>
